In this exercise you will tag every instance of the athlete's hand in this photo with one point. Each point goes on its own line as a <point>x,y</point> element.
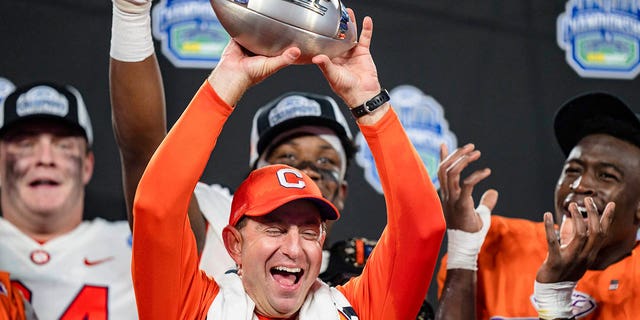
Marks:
<point>239,69</point>
<point>352,75</point>
<point>570,257</point>
<point>458,205</point>
<point>133,6</point>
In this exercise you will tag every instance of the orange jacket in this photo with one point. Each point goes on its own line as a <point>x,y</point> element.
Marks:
<point>167,281</point>
<point>508,262</point>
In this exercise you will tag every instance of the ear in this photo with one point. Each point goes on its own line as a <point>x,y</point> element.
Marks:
<point>343,191</point>
<point>233,243</point>
<point>87,167</point>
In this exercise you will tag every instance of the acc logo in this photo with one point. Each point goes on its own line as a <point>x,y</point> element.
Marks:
<point>601,37</point>
<point>423,120</point>
<point>190,33</point>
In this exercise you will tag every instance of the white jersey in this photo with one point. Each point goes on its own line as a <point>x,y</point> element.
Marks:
<point>84,274</point>
<point>215,205</point>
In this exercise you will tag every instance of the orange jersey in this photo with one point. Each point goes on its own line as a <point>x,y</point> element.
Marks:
<point>167,281</point>
<point>11,301</point>
<point>513,251</point>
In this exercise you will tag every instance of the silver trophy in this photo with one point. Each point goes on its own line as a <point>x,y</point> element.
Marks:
<point>268,27</point>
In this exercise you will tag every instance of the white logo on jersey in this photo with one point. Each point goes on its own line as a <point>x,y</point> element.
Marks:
<point>40,256</point>
<point>283,179</point>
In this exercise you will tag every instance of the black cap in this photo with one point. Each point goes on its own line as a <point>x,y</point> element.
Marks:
<point>296,109</point>
<point>46,100</point>
<point>595,112</point>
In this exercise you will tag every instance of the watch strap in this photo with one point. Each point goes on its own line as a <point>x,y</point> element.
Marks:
<point>371,105</point>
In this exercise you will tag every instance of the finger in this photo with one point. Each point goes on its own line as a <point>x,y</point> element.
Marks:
<point>566,231</point>
<point>605,223</point>
<point>451,158</point>
<point>489,199</point>
<point>598,237</point>
<point>552,238</point>
<point>607,217</point>
<point>463,162</point>
<point>442,177</point>
<point>472,180</point>
<point>593,218</point>
<point>579,229</point>
<point>287,57</point>
<point>445,166</point>
<point>594,233</point>
<point>454,172</point>
<point>444,151</point>
<point>327,67</point>
<point>445,163</point>
<point>352,17</point>
<point>367,33</point>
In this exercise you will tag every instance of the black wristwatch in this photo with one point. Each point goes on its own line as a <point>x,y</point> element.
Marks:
<point>371,105</point>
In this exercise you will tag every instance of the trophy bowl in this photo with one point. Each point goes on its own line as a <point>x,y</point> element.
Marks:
<point>268,27</point>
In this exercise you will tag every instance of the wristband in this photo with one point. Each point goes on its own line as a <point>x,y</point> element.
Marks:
<point>463,247</point>
<point>131,39</point>
<point>553,300</point>
<point>371,105</point>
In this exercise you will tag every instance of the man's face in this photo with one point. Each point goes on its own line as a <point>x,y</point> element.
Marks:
<point>44,167</point>
<point>318,159</point>
<point>280,257</point>
<point>608,170</point>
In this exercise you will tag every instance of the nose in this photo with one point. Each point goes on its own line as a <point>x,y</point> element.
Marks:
<point>582,185</point>
<point>44,153</point>
<point>291,244</point>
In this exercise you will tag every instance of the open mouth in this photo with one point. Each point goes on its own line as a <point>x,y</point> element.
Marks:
<point>583,211</point>
<point>287,276</point>
<point>43,182</point>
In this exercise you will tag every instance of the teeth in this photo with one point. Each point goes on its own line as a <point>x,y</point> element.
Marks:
<point>290,270</point>
<point>582,210</point>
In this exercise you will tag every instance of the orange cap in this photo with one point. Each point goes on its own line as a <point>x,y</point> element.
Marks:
<point>273,186</point>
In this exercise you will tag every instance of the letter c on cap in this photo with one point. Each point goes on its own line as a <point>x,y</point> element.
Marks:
<point>283,179</point>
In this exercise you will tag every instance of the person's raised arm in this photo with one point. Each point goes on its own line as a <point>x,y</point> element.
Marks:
<point>163,243</point>
<point>137,99</point>
<point>466,229</point>
<point>396,278</point>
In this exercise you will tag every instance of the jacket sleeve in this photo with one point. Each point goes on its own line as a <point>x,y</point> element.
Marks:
<point>397,275</point>
<point>167,282</point>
